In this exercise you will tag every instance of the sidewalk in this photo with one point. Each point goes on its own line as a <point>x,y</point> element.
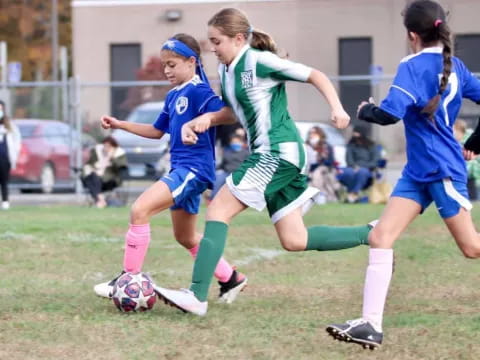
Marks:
<point>129,190</point>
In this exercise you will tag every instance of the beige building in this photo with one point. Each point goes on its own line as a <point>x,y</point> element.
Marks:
<point>339,37</point>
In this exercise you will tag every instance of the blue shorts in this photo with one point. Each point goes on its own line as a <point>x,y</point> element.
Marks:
<point>449,196</point>
<point>186,189</point>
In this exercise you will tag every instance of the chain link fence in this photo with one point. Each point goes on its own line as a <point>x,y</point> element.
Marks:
<point>79,105</point>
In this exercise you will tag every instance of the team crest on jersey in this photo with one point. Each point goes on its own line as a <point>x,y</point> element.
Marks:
<point>181,105</point>
<point>247,79</point>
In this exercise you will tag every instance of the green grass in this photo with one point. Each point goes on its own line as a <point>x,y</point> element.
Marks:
<point>50,258</point>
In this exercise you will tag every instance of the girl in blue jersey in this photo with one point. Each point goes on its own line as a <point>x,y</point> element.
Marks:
<point>435,169</point>
<point>193,167</point>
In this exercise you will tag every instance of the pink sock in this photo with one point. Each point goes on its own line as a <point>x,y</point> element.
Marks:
<point>377,281</point>
<point>136,246</point>
<point>223,271</point>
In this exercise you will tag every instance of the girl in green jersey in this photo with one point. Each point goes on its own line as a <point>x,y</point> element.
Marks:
<point>274,175</point>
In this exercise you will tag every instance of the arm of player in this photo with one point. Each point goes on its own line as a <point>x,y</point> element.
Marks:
<point>204,122</point>
<point>145,130</point>
<point>368,111</point>
<point>322,83</point>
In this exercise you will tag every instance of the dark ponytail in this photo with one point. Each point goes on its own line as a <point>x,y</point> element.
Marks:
<point>427,19</point>
<point>444,35</point>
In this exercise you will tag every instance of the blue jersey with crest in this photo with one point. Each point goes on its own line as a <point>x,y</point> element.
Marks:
<point>432,151</point>
<point>184,103</point>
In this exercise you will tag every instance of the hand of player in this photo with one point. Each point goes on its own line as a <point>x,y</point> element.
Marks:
<point>363,103</point>
<point>109,122</point>
<point>469,155</point>
<point>189,137</point>
<point>201,123</point>
<point>340,118</point>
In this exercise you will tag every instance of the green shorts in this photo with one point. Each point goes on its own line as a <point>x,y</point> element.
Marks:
<point>266,180</point>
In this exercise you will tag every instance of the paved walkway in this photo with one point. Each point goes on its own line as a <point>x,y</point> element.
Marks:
<point>130,190</point>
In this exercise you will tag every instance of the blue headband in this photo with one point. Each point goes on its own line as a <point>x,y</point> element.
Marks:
<point>183,49</point>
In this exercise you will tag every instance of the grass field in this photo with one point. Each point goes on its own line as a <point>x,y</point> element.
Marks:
<point>51,257</point>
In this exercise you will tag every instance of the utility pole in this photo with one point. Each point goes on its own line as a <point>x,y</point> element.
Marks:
<point>4,75</point>
<point>54,32</point>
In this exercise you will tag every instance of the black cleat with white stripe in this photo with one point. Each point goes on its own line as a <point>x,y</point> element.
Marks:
<point>357,331</point>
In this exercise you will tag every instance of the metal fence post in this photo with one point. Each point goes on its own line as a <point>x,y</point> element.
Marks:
<point>76,116</point>
<point>4,74</point>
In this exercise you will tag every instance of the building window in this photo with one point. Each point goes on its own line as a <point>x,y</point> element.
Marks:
<point>355,58</point>
<point>466,48</point>
<point>125,60</point>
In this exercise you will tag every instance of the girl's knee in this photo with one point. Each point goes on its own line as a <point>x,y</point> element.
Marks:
<point>292,246</point>
<point>379,239</point>
<point>138,214</point>
<point>471,252</point>
<point>293,243</point>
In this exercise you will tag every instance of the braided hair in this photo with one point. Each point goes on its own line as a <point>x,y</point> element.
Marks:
<point>427,19</point>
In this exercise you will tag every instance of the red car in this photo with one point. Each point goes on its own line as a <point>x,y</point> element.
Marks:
<point>44,160</point>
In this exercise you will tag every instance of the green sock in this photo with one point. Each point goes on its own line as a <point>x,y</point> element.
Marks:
<point>324,238</point>
<point>209,254</point>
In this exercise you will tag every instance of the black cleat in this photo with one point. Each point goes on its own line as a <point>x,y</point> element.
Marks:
<point>230,289</point>
<point>358,331</point>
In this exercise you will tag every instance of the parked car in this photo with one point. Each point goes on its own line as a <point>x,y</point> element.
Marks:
<point>47,155</point>
<point>334,137</point>
<point>147,158</point>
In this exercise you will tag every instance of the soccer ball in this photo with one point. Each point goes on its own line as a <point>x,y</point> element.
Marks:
<point>134,292</point>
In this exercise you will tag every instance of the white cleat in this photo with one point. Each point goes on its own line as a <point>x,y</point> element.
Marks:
<point>182,299</point>
<point>104,289</point>
<point>5,205</point>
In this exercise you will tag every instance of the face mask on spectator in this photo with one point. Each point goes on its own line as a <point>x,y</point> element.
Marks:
<point>236,147</point>
<point>314,140</point>
<point>1,115</point>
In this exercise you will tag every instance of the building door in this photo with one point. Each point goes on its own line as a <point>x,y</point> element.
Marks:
<point>125,60</point>
<point>466,48</point>
<point>355,58</point>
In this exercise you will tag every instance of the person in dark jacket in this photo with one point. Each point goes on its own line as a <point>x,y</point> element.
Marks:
<point>103,170</point>
<point>233,155</point>
<point>10,144</point>
<point>362,159</point>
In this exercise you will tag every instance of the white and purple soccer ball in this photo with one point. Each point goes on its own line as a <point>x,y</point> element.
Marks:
<point>134,292</point>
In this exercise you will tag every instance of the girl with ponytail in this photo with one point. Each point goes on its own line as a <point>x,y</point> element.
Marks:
<point>426,94</point>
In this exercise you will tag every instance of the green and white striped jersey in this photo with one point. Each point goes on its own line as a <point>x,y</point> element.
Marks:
<point>253,85</point>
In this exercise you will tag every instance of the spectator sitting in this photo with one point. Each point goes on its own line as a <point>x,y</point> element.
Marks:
<point>103,170</point>
<point>362,159</point>
<point>233,155</point>
<point>321,161</point>
<point>319,151</point>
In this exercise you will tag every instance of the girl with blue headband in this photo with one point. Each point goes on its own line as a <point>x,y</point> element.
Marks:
<point>193,167</point>
<point>274,175</point>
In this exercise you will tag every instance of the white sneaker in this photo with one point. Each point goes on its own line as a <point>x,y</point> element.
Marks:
<point>182,299</point>
<point>318,198</point>
<point>5,205</point>
<point>106,289</point>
